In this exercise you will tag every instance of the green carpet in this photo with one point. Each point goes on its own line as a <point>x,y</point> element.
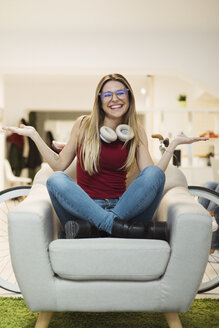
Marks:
<point>204,313</point>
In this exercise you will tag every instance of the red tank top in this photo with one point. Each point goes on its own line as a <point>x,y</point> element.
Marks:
<point>110,181</point>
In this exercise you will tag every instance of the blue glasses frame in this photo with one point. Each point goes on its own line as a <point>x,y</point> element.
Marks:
<point>106,96</point>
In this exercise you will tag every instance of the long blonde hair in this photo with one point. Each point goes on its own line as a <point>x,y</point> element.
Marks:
<point>89,138</point>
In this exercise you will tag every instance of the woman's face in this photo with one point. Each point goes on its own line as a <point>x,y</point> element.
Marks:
<point>114,99</point>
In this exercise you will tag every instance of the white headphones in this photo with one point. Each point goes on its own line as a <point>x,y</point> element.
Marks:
<point>123,132</point>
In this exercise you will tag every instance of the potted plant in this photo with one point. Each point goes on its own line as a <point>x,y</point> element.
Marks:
<point>182,100</point>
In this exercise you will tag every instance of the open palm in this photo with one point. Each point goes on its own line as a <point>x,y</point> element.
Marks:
<point>183,139</point>
<point>23,130</point>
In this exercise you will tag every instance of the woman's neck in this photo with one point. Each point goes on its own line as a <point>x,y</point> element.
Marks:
<point>112,123</point>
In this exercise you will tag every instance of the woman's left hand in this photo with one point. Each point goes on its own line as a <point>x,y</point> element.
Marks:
<point>183,139</point>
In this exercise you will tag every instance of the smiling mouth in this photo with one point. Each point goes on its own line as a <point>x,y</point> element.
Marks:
<point>114,107</point>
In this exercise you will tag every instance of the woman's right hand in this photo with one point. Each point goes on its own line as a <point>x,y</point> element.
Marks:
<point>23,130</point>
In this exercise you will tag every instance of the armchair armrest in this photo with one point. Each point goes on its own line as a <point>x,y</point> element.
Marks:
<point>32,226</point>
<point>190,239</point>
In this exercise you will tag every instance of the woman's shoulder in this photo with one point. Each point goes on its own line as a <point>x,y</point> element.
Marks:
<point>81,119</point>
<point>78,124</point>
<point>79,127</point>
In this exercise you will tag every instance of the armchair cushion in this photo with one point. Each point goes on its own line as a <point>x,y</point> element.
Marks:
<point>109,259</point>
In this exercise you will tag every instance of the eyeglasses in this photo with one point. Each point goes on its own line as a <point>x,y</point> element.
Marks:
<point>107,96</point>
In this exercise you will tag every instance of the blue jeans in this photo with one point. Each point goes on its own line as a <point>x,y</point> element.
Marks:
<point>138,203</point>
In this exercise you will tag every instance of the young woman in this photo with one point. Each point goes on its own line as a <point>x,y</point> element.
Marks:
<point>99,201</point>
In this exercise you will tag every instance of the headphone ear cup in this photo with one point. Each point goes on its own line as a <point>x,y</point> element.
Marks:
<point>124,132</point>
<point>107,134</point>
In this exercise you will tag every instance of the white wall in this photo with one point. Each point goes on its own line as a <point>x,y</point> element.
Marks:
<point>167,88</point>
<point>142,37</point>
<point>190,53</point>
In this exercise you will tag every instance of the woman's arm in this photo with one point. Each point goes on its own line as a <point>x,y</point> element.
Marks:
<point>178,140</point>
<point>144,158</point>
<point>58,162</point>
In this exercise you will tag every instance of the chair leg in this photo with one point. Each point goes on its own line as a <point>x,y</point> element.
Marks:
<point>43,319</point>
<point>173,320</point>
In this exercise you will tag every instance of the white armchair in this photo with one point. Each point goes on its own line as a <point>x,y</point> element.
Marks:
<point>110,274</point>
